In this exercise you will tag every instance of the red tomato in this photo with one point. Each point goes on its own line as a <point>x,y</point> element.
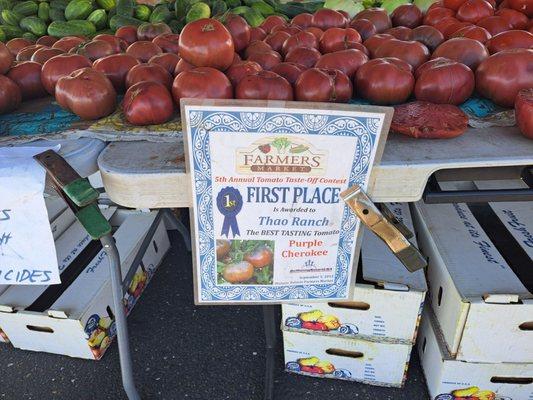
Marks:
<point>236,58</point>
<point>453,4</point>
<point>303,20</point>
<point>207,43</point>
<point>168,42</point>
<point>414,53</point>
<point>436,14</point>
<point>516,19</point>
<point>148,103</point>
<point>325,18</point>
<point>378,16</point>
<point>347,61</point>
<point>149,73</point>
<point>291,30</point>
<point>201,83</point>
<point>400,32</point>
<point>276,40</point>
<point>127,33</point>
<point>6,59</point>
<point>523,107</point>
<point>524,6</point>
<point>143,50</point>
<point>289,71</point>
<point>96,49</point>
<point>256,47</point>
<point>323,85</point>
<point>238,272</point>
<point>385,81</point>
<point>116,67</point>
<point>451,29</point>
<point>59,66</point>
<point>27,52</point>
<point>428,36</point>
<point>46,40</point>
<point>149,31</point>
<point>445,23</point>
<point>467,51</point>
<point>167,60</point>
<point>44,54</point>
<point>501,76</point>
<point>271,21</point>
<point>444,82</point>
<point>365,28</point>
<point>473,32</point>
<point>257,34</point>
<point>373,43</point>
<point>495,25</point>
<point>239,70</point>
<point>117,43</point>
<point>181,66</point>
<point>27,76</point>
<point>303,55</point>
<point>437,4</point>
<point>407,15</point>
<point>223,248</point>
<point>68,43</point>
<point>266,59</point>
<point>424,120</point>
<point>239,30</point>
<point>86,93</point>
<point>17,44</point>
<point>301,39</point>
<point>315,31</point>
<point>265,85</point>
<point>335,39</point>
<point>10,96</point>
<point>474,11</point>
<point>510,40</point>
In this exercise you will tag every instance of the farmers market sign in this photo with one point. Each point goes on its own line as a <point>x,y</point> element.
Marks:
<point>268,222</point>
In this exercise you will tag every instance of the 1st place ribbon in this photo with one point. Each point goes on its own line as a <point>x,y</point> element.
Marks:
<point>229,203</point>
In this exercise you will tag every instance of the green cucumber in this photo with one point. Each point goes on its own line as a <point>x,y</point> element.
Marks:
<point>142,12</point>
<point>12,32</point>
<point>219,7</point>
<point>240,10</point>
<point>30,36</point>
<point>98,18</point>
<point>5,5</point>
<point>233,3</point>
<point>198,11</point>
<point>263,8</point>
<point>117,21</point>
<point>71,28</point>
<point>161,13</point>
<point>125,8</point>
<point>56,15</point>
<point>3,36</point>
<point>44,11</point>
<point>34,25</point>
<point>78,9</point>
<point>26,8</point>
<point>253,17</point>
<point>106,4</point>
<point>59,4</point>
<point>11,17</point>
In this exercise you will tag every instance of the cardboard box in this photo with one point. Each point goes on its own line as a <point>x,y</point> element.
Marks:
<point>385,308</point>
<point>449,379</point>
<point>80,321</point>
<point>483,307</point>
<point>381,364</point>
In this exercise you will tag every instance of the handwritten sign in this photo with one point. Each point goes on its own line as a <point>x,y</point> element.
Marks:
<point>27,251</point>
<point>269,224</point>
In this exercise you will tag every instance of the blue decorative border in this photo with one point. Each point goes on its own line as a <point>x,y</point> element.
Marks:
<point>365,128</point>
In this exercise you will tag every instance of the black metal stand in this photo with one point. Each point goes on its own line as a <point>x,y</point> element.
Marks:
<point>269,315</point>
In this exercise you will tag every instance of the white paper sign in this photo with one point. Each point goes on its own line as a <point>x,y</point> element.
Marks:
<point>27,250</point>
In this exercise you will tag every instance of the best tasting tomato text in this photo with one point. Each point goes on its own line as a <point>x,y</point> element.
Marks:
<point>293,195</point>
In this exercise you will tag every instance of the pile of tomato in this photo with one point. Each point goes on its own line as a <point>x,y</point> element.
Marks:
<point>443,56</point>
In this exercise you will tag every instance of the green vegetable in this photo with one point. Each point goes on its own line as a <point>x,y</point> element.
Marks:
<point>233,3</point>
<point>59,4</point>
<point>424,4</point>
<point>71,28</point>
<point>117,21</point>
<point>11,17</point>
<point>391,5</point>
<point>176,25</point>
<point>2,35</point>
<point>44,11</point>
<point>12,32</point>
<point>180,8</point>
<point>253,17</point>
<point>142,12</point>
<point>219,7</point>
<point>125,8</point>
<point>281,144</point>
<point>57,15</point>
<point>350,6</point>
<point>26,8</point>
<point>161,13</point>
<point>263,8</point>
<point>5,5</point>
<point>34,25</point>
<point>78,9</point>
<point>29,36</point>
<point>240,10</point>
<point>98,18</point>
<point>198,11</point>
<point>106,4</point>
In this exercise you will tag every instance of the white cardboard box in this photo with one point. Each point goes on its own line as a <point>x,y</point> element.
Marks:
<point>382,364</point>
<point>386,308</point>
<point>450,379</point>
<point>80,322</point>
<point>480,303</point>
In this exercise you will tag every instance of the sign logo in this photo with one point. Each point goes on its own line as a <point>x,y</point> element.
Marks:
<point>280,154</point>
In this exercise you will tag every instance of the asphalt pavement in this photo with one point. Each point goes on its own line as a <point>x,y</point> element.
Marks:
<point>182,351</point>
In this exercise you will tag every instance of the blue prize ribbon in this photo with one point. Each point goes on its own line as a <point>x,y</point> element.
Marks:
<point>229,203</point>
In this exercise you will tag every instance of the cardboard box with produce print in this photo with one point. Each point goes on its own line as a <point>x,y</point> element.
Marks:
<point>449,379</point>
<point>382,364</point>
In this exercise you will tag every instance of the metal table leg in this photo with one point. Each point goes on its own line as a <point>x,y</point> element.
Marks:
<point>126,366</point>
<point>179,226</point>
<point>269,314</point>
